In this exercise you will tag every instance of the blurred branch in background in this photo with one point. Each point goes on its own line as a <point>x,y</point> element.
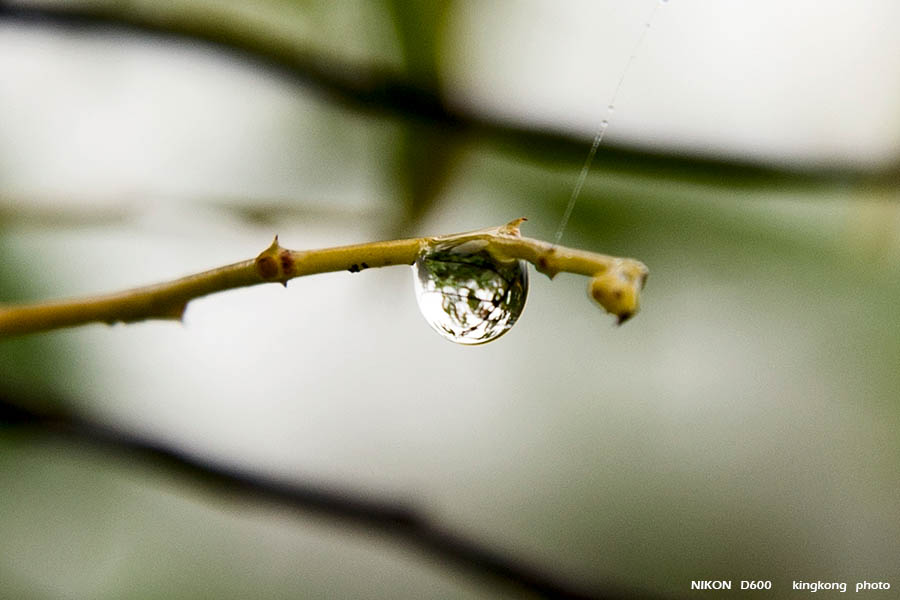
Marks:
<point>47,211</point>
<point>379,89</point>
<point>225,485</point>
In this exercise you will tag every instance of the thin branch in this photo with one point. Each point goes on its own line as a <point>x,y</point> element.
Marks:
<point>616,282</point>
<point>240,489</point>
<point>381,89</point>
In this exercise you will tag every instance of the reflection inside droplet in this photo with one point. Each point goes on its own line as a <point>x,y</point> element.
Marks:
<point>466,294</point>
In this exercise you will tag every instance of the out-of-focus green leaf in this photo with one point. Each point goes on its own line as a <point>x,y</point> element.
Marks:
<point>32,368</point>
<point>424,153</point>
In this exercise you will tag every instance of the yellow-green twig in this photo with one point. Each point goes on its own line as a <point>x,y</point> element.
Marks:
<point>615,282</point>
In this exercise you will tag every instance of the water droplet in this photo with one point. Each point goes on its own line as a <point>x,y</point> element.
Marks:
<point>465,293</point>
<point>604,123</point>
<point>611,107</point>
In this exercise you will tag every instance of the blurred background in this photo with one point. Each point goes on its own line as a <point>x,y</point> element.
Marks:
<point>743,426</point>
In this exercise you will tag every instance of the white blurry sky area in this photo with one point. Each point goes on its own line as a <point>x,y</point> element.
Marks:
<point>801,81</point>
<point>752,395</point>
<point>119,121</point>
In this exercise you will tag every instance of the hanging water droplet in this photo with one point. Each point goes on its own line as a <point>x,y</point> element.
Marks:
<point>465,293</point>
<point>604,123</point>
<point>611,107</point>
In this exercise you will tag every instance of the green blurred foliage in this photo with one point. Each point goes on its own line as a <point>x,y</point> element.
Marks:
<point>32,369</point>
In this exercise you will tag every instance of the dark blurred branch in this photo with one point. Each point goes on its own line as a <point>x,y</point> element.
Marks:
<point>48,210</point>
<point>397,520</point>
<point>383,90</point>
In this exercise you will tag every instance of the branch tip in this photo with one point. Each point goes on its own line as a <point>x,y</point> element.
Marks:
<point>618,289</point>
